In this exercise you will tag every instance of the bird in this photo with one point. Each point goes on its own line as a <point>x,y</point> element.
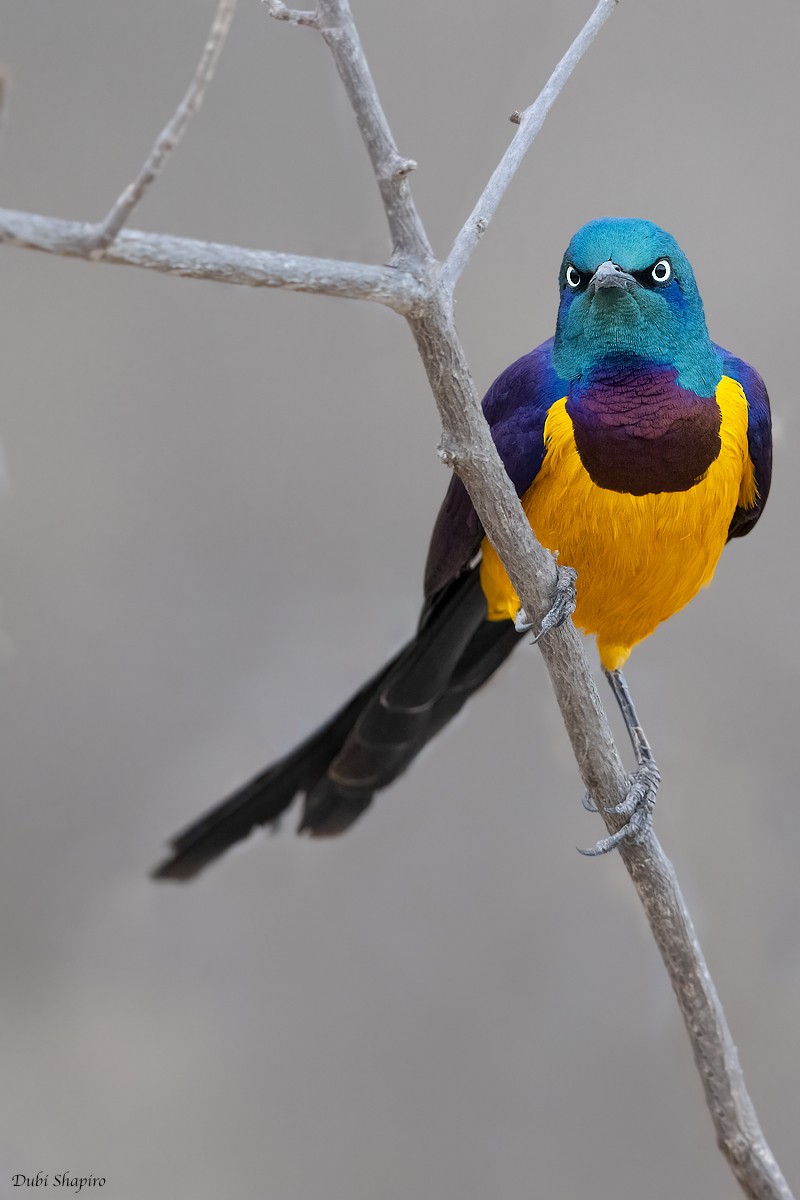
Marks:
<point>638,447</point>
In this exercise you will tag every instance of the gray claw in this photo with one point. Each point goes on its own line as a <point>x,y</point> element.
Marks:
<point>588,803</point>
<point>563,605</point>
<point>637,806</point>
<point>521,622</point>
<point>642,791</point>
<point>606,844</point>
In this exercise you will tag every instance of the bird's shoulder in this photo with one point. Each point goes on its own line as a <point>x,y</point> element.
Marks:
<point>516,407</point>
<point>748,378</point>
<point>759,437</point>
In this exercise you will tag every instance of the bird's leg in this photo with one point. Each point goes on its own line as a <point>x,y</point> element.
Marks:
<point>561,609</point>
<point>638,805</point>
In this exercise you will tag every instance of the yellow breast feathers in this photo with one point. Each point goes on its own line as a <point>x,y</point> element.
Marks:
<point>639,558</point>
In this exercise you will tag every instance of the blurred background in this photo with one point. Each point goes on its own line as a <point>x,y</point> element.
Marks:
<point>214,517</point>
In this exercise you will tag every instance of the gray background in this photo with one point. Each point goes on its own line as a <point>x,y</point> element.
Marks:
<point>214,518</point>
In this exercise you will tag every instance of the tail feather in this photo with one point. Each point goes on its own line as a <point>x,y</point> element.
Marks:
<point>262,799</point>
<point>371,740</point>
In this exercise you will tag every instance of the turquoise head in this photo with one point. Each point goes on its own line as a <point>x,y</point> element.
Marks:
<point>628,291</point>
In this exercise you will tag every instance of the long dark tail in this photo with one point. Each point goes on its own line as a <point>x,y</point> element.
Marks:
<point>371,740</point>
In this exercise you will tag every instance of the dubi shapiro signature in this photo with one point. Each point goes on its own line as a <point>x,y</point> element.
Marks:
<point>64,1179</point>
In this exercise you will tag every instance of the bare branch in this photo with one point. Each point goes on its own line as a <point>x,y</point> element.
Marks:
<point>102,235</point>
<point>293,15</point>
<point>530,122</point>
<point>410,241</point>
<point>392,286</point>
<point>739,1134</point>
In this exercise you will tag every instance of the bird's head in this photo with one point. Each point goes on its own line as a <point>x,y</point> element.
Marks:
<point>628,291</point>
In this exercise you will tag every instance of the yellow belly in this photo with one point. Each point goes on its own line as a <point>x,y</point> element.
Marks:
<point>639,558</point>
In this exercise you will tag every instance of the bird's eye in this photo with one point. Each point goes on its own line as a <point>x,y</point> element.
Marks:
<point>573,278</point>
<point>661,271</point>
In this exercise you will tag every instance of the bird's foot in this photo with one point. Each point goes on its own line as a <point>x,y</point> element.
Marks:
<point>561,609</point>
<point>637,807</point>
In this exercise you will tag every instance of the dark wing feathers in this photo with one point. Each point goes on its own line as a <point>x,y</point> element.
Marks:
<point>456,538</point>
<point>516,407</point>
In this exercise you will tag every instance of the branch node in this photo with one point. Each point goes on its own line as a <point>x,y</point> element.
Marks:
<point>294,16</point>
<point>481,225</point>
<point>409,238</point>
<point>449,453</point>
<point>402,167</point>
<point>516,117</point>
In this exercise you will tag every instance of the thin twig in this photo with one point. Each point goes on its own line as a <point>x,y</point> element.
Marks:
<point>409,239</point>
<point>293,15</point>
<point>530,122</point>
<point>392,286</point>
<point>102,235</point>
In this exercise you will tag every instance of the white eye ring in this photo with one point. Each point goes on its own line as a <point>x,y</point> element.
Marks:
<point>662,271</point>
<point>573,277</point>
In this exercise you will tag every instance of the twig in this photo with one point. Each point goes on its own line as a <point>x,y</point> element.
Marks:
<point>409,239</point>
<point>293,15</point>
<point>530,122</point>
<point>392,286</point>
<point>102,235</point>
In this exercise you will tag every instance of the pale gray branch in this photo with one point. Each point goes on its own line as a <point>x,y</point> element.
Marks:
<point>293,15</point>
<point>409,239</point>
<point>739,1134</point>
<point>224,264</point>
<point>530,122</point>
<point>102,235</point>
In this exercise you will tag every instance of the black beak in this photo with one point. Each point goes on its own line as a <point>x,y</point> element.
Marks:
<point>607,276</point>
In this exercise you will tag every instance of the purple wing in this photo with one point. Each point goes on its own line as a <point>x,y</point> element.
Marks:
<point>759,438</point>
<point>516,407</point>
